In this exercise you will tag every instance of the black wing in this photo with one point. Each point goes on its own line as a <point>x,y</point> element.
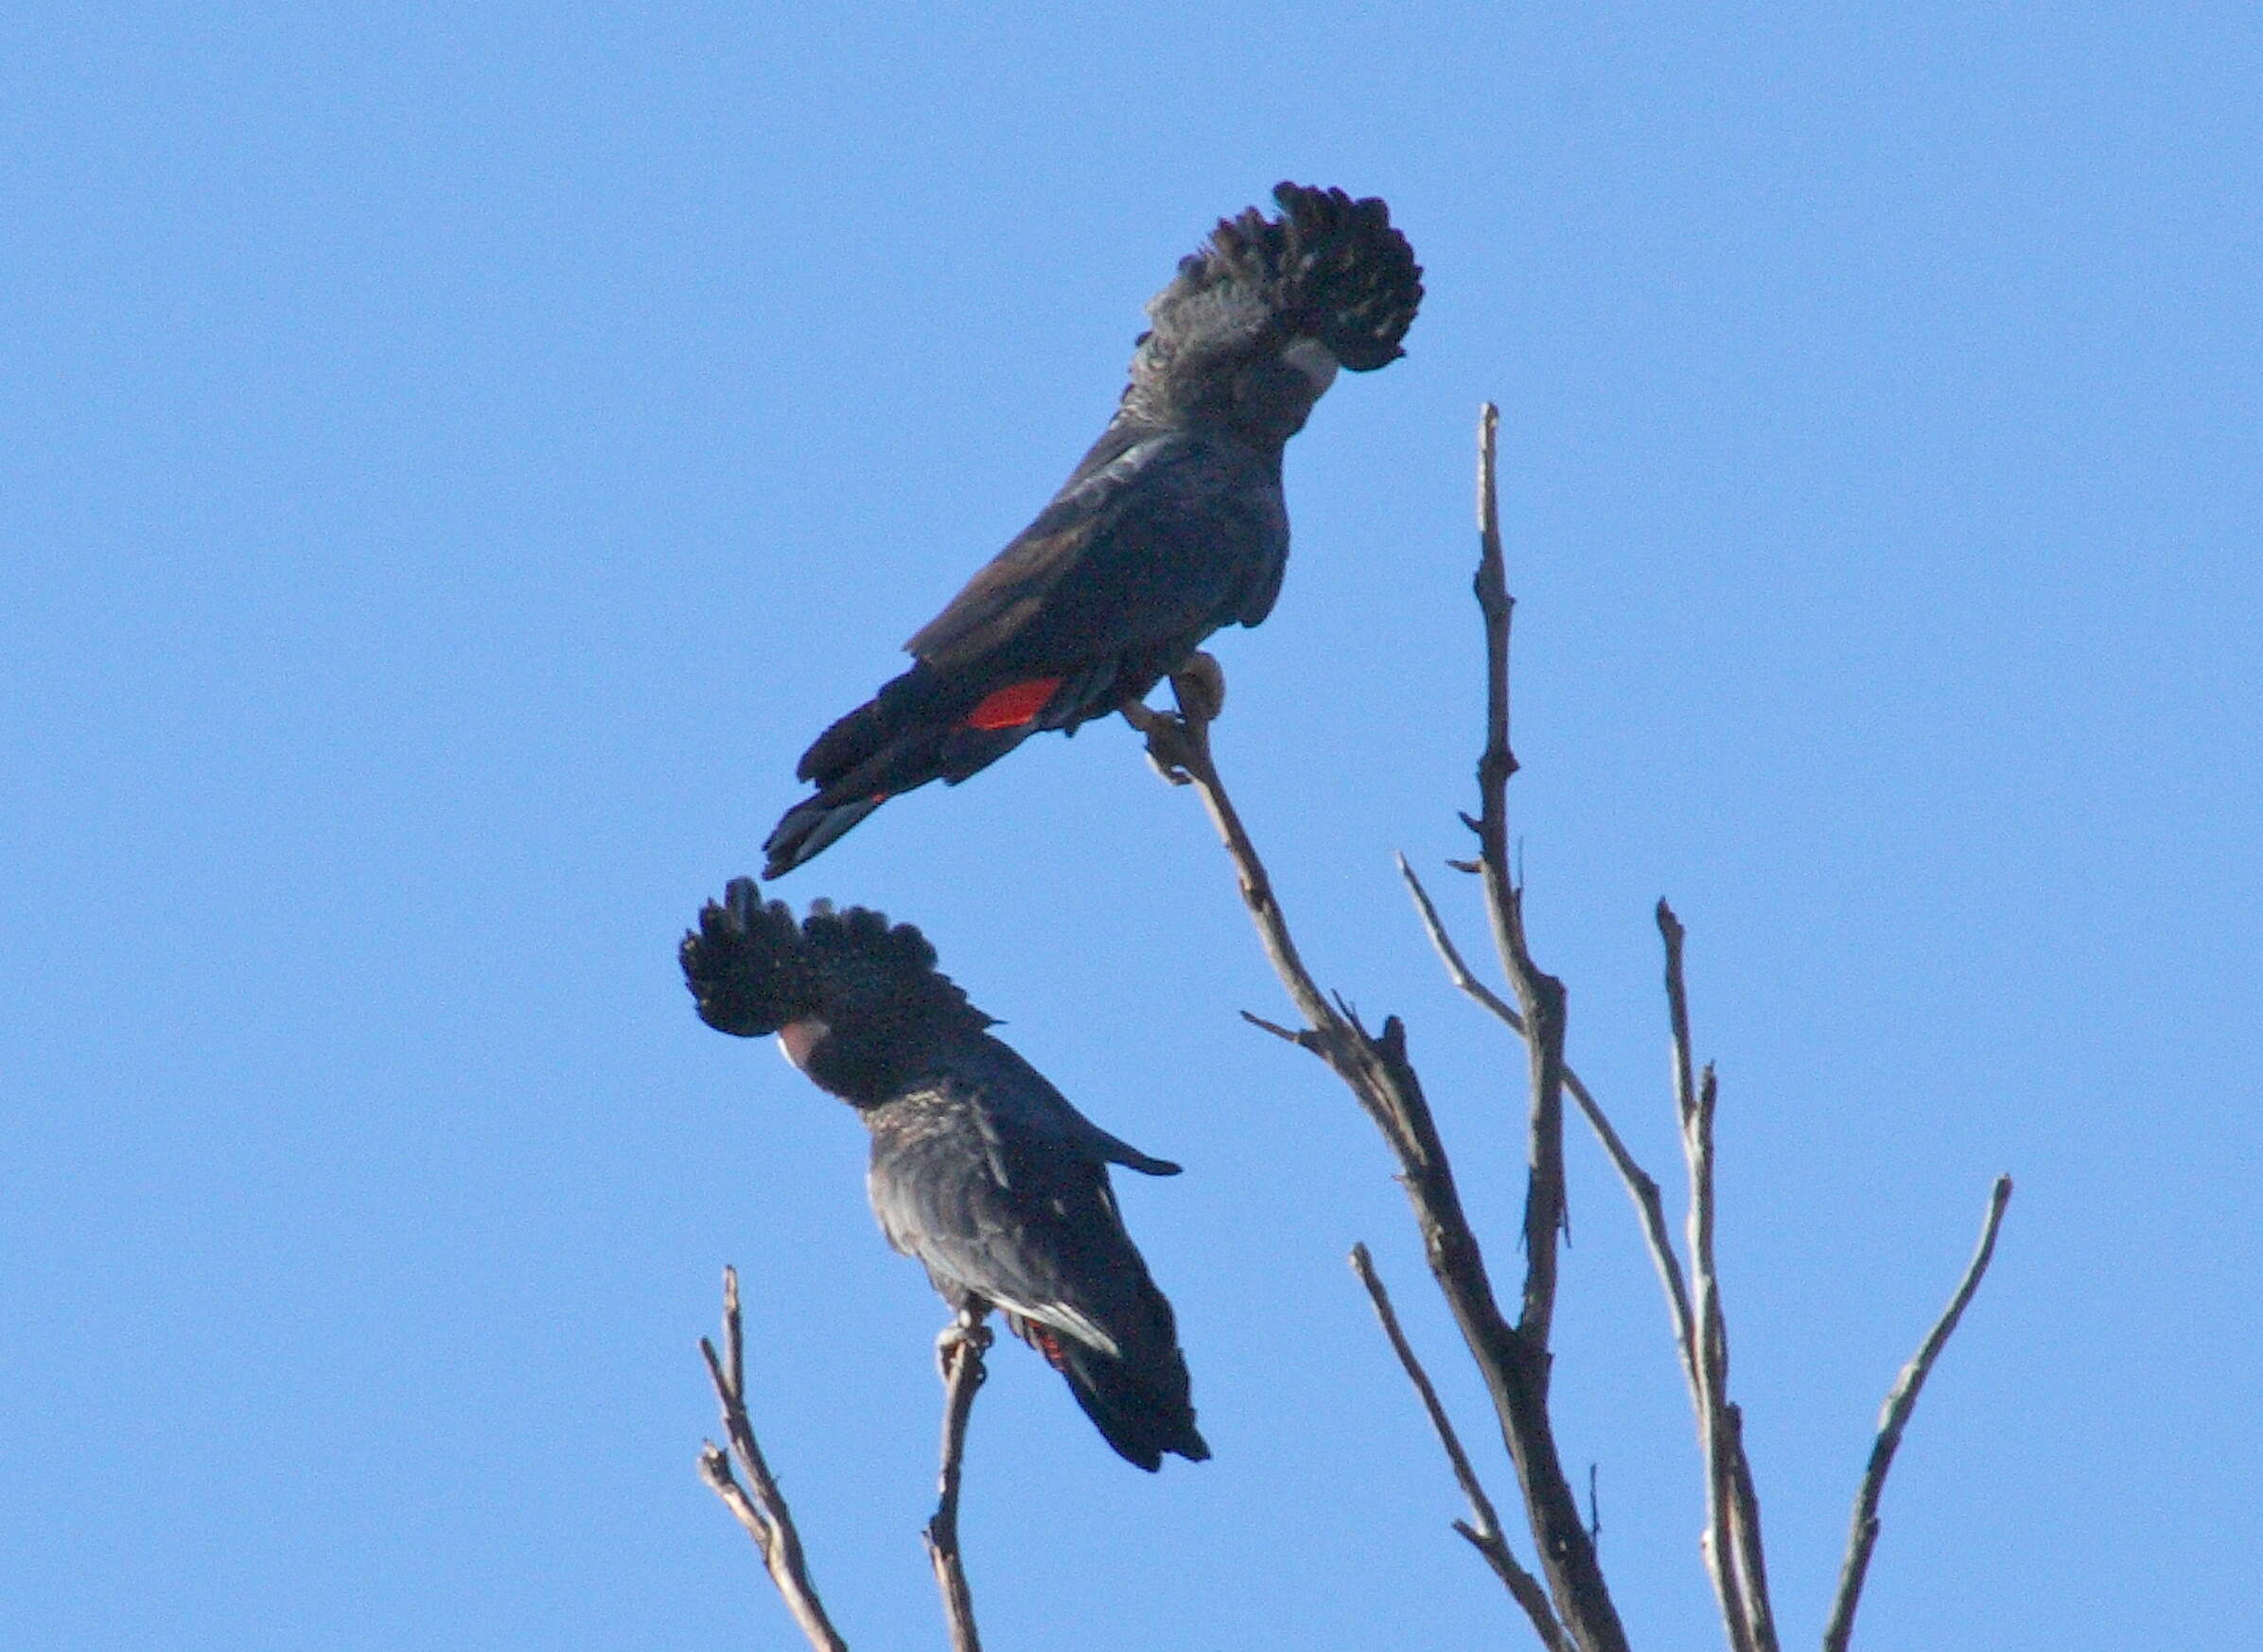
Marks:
<point>1003,1204</point>
<point>1147,552</point>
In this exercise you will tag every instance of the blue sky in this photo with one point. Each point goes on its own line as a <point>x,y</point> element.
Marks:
<point>457,457</point>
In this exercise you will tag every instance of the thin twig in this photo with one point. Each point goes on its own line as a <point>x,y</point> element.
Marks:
<point>960,1350</point>
<point>1483,1533</point>
<point>759,1506</point>
<point>1900,1403</point>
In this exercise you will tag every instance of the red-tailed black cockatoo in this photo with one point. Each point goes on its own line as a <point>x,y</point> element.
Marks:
<point>1171,527</point>
<point>980,1169</point>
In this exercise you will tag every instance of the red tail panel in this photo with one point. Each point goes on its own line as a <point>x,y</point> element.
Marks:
<point>1014,705</point>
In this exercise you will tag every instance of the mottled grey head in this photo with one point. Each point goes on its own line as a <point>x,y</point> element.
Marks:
<point>857,1003</point>
<point>1250,331</point>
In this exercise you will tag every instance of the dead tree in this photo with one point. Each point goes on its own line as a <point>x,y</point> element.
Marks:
<point>1565,1596</point>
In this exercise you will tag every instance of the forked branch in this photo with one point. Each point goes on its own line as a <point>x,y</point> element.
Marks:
<point>1649,1205</point>
<point>1733,1553</point>
<point>1374,1067</point>
<point>761,1507</point>
<point>758,1505</point>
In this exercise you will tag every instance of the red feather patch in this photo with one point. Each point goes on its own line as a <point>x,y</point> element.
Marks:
<point>1014,705</point>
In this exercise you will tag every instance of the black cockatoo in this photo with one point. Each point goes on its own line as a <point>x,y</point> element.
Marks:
<point>1172,526</point>
<point>980,1169</point>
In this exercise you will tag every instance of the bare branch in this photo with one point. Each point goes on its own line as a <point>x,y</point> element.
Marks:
<point>1750,1553</point>
<point>1486,1535</point>
<point>959,1350</point>
<point>759,1506</point>
<point>1731,1543</point>
<point>1900,1403</point>
<point>1540,994</point>
<point>1374,1067</point>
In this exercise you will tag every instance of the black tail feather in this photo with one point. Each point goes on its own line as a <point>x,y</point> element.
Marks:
<point>1141,1403</point>
<point>913,730</point>
<point>810,828</point>
<point>851,741</point>
<point>912,757</point>
<point>1141,1412</point>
